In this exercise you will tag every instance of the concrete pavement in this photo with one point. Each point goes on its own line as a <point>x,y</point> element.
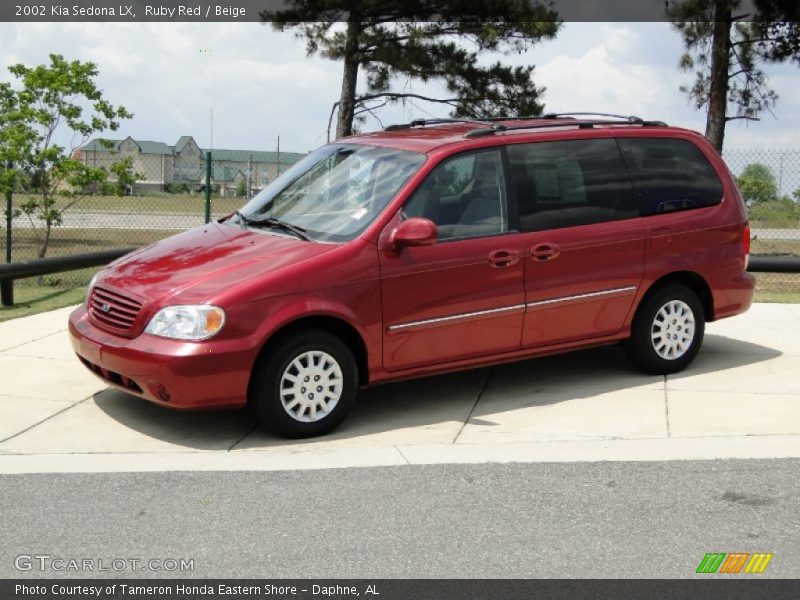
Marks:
<point>741,398</point>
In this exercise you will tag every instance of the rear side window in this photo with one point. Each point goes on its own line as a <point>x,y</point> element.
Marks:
<point>670,175</point>
<point>569,183</point>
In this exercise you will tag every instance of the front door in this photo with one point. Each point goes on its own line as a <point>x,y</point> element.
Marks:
<point>464,296</point>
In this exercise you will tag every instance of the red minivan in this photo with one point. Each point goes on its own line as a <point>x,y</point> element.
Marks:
<point>429,247</point>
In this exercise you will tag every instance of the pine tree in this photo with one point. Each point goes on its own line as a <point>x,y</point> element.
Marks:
<point>424,40</point>
<point>727,49</point>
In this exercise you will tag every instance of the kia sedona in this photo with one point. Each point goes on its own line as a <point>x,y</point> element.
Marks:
<point>432,246</point>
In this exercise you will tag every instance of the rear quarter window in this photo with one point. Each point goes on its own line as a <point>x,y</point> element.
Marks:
<point>669,175</point>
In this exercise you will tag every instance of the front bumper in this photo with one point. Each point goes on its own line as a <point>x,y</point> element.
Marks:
<point>178,374</point>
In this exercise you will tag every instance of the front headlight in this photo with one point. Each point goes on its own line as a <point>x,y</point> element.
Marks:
<point>89,288</point>
<point>187,322</point>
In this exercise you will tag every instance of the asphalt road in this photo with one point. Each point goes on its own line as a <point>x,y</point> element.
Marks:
<point>588,520</point>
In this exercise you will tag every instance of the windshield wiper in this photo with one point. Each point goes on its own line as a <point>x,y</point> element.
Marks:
<point>279,224</point>
<point>273,222</point>
<point>243,221</point>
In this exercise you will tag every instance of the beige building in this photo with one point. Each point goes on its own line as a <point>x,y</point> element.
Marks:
<point>171,168</point>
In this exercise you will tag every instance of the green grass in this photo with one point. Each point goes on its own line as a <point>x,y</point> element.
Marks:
<point>777,287</point>
<point>780,247</point>
<point>777,296</point>
<point>32,300</point>
<point>154,203</point>
<point>776,214</point>
<point>62,289</point>
<point>76,241</point>
<point>65,242</point>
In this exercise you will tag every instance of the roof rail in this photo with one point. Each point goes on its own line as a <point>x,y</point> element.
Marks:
<point>426,122</point>
<point>570,115</point>
<point>475,133</point>
<point>528,118</point>
<point>493,125</point>
<point>566,115</point>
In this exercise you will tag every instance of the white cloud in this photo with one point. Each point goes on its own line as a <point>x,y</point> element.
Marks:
<point>261,84</point>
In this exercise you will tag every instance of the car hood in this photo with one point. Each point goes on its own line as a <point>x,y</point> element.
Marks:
<point>196,265</point>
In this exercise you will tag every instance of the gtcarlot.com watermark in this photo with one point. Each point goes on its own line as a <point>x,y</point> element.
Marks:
<point>62,564</point>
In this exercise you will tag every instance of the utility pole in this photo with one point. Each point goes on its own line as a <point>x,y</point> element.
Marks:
<point>249,176</point>
<point>208,187</point>
<point>278,168</point>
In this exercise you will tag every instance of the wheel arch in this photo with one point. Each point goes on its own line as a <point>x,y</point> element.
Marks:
<point>338,326</point>
<point>690,279</point>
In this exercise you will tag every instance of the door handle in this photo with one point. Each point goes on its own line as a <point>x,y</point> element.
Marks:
<point>545,252</point>
<point>503,258</point>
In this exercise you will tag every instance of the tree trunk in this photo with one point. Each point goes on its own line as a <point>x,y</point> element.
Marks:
<point>716,117</point>
<point>344,123</point>
<point>48,229</point>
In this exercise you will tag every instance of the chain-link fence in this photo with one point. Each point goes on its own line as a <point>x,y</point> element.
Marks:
<point>160,190</point>
<point>151,193</point>
<point>769,180</point>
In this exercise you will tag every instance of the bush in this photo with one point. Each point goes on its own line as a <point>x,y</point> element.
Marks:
<point>241,189</point>
<point>177,188</point>
<point>757,184</point>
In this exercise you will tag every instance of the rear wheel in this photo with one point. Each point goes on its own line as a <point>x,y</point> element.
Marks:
<point>304,385</point>
<point>667,331</point>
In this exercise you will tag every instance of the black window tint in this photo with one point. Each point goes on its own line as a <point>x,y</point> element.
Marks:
<point>464,195</point>
<point>670,175</point>
<point>569,183</point>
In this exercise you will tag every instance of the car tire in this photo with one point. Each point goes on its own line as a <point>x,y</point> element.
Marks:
<point>304,385</point>
<point>667,330</point>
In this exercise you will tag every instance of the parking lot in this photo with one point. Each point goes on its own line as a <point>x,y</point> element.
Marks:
<point>740,399</point>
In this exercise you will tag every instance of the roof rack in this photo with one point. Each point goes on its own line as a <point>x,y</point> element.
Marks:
<point>571,115</point>
<point>426,122</point>
<point>566,115</point>
<point>527,118</point>
<point>493,125</point>
<point>475,133</point>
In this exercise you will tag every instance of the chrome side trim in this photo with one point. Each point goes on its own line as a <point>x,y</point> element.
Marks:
<point>582,296</point>
<point>477,313</point>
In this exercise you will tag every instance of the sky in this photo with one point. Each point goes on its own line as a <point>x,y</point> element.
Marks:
<point>259,84</point>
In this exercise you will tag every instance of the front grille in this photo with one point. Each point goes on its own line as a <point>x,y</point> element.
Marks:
<point>113,311</point>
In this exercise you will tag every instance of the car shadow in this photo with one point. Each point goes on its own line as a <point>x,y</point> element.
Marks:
<point>432,408</point>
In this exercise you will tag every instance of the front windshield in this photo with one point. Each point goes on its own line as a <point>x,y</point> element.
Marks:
<point>337,191</point>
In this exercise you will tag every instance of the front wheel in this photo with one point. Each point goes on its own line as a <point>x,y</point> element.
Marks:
<point>667,331</point>
<point>304,385</point>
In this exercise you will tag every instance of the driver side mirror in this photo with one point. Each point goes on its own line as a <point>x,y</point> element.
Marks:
<point>414,232</point>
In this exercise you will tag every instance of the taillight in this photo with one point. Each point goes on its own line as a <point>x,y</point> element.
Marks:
<point>746,244</point>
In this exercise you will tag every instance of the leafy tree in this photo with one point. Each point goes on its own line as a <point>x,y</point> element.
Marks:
<point>757,184</point>
<point>425,41</point>
<point>727,55</point>
<point>52,97</point>
<point>241,188</point>
<point>15,137</point>
<point>124,176</point>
